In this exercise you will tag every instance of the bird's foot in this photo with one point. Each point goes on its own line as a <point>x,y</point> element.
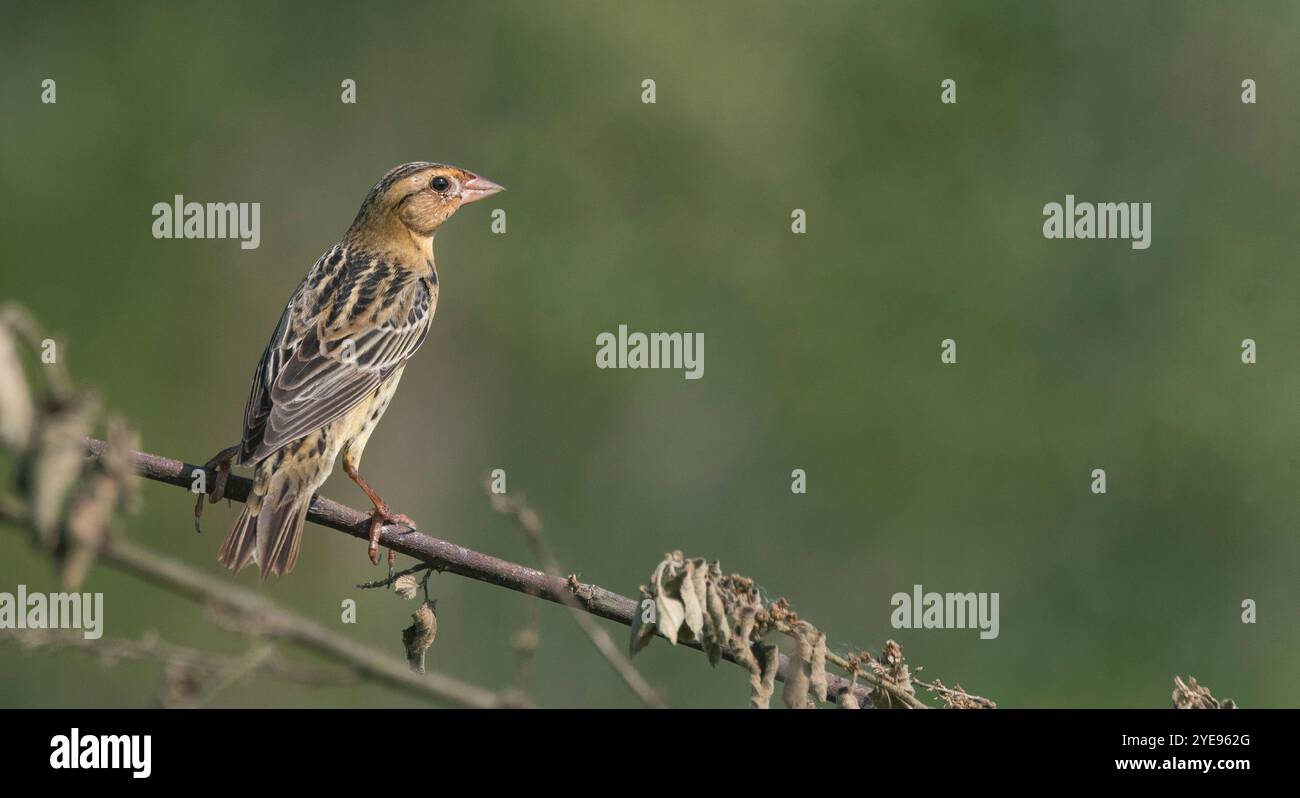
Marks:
<point>380,517</point>
<point>220,463</point>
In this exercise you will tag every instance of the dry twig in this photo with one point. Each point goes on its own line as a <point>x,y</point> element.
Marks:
<point>531,525</point>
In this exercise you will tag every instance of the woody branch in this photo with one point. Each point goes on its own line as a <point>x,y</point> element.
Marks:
<point>441,555</point>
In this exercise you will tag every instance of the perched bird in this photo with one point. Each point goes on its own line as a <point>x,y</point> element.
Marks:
<point>335,359</point>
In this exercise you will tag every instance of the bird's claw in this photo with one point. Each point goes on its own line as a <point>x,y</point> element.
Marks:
<point>380,517</point>
<point>220,463</point>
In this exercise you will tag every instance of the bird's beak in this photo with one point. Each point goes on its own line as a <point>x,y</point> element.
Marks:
<point>477,188</point>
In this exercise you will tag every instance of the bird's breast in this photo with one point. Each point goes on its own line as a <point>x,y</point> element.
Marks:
<point>361,421</point>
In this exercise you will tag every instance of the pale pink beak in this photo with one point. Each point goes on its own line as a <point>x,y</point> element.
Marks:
<point>477,188</point>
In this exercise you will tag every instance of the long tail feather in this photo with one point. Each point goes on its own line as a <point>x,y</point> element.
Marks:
<point>240,547</point>
<point>269,530</point>
<point>279,534</point>
<point>280,519</point>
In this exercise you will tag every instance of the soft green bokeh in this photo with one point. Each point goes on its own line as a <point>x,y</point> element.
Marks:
<point>822,351</point>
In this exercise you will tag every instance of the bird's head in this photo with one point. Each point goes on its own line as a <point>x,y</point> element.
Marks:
<point>417,198</point>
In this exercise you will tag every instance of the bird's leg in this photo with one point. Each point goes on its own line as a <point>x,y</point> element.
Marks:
<point>380,516</point>
<point>220,462</point>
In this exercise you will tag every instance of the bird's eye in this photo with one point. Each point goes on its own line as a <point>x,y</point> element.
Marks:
<point>440,183</point>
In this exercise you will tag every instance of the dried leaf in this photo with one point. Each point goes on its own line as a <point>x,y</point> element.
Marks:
<point>893,668</point>
<point>763,684</point>
<point>712,650</point>
<point>715,607</point>
<point>1190,695</point>
<point>817,679</point>
<point>727,615</point>
<point>893,659</point>
<point>56,464</point>
<point>406,586</point>
<point>717,635</point>
<point>742,648</point>
<point>745,629</point>
<point>417,637</point>
<point>798,677</point>
<point>87,529</point>
<point>109,488</point>
<point>642,631</point>
<point>845,699</point>
<point>16,414</point>
<point>671,612</point>
<point>692,602</point>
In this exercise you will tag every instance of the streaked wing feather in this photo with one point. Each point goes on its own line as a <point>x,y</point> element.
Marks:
<point>258,408</point>
<point>305,381</point>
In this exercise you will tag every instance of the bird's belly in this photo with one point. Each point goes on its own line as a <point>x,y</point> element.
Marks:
<point>357,425</point>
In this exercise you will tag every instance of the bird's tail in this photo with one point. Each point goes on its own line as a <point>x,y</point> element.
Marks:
<point>269,530</point>
<point>240,547</point>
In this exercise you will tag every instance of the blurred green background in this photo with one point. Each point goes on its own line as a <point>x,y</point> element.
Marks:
<point>822,350</point>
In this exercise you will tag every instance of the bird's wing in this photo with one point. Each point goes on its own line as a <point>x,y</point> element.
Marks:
<point>348,327</point>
